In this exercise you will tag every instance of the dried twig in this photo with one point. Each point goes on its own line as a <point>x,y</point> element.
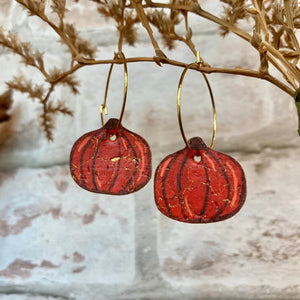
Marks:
<point>274,37</point>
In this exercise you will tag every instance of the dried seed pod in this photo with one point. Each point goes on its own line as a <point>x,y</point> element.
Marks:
<point>199,185</point>
<point>111,161</point>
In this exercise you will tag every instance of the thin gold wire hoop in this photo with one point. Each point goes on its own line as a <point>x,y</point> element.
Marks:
<point>103,107</point>
<point>199,62</point>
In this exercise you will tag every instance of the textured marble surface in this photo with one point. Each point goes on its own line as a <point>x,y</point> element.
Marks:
<point>58,241</point>
<point>67,242</point>
<point>64,237</point>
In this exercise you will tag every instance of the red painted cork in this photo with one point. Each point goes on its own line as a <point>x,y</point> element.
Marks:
<point>199,185</point>
<point>111,160</point>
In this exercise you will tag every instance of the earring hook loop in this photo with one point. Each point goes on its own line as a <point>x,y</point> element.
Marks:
<point>103,107</point>
<point>197,63</point>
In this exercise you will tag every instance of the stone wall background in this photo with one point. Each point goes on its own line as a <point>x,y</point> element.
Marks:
<point>60,242</point>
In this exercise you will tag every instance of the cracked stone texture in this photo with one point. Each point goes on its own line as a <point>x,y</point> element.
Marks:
<point>61,242</point>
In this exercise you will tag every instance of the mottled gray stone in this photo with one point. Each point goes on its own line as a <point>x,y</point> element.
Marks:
<point>24,296</point>
<point>4,12</point>
<point>52,229</point>
<point>259,247</point>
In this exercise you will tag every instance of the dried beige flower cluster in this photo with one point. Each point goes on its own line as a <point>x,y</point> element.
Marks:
<point>275,23</point>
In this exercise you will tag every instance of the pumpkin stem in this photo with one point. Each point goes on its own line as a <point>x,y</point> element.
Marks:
<point>196,143</point>
<point>111,124</point>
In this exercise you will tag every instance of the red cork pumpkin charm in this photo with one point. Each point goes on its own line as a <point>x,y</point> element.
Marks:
<point>111,160</point>
<point>199,185</point>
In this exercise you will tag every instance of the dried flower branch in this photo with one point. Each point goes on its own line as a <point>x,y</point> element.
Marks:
<point>59,7</point>
<point>69,81</point>
<point>39,93</point>
<point>83,47</point>
<point>274,37</point>
<point>29,57</point>
<point>68,36</point>
<point>59,108</point>
<point>233,12</point>
<point>143,18</point>
<point>21,84</point>
<point>165,24</point>
<point>49,110</point>
<point>81,50</point>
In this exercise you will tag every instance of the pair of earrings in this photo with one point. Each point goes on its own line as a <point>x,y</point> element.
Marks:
<point>193,185</point>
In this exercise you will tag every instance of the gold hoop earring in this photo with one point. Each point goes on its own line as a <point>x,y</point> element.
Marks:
<point>103,107</point>
<point>197,184</point>
<point>179,104</point>
<point>111,160</point>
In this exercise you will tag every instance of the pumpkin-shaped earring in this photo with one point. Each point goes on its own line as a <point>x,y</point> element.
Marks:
<point>112,159</point>
<point>198,184</point>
